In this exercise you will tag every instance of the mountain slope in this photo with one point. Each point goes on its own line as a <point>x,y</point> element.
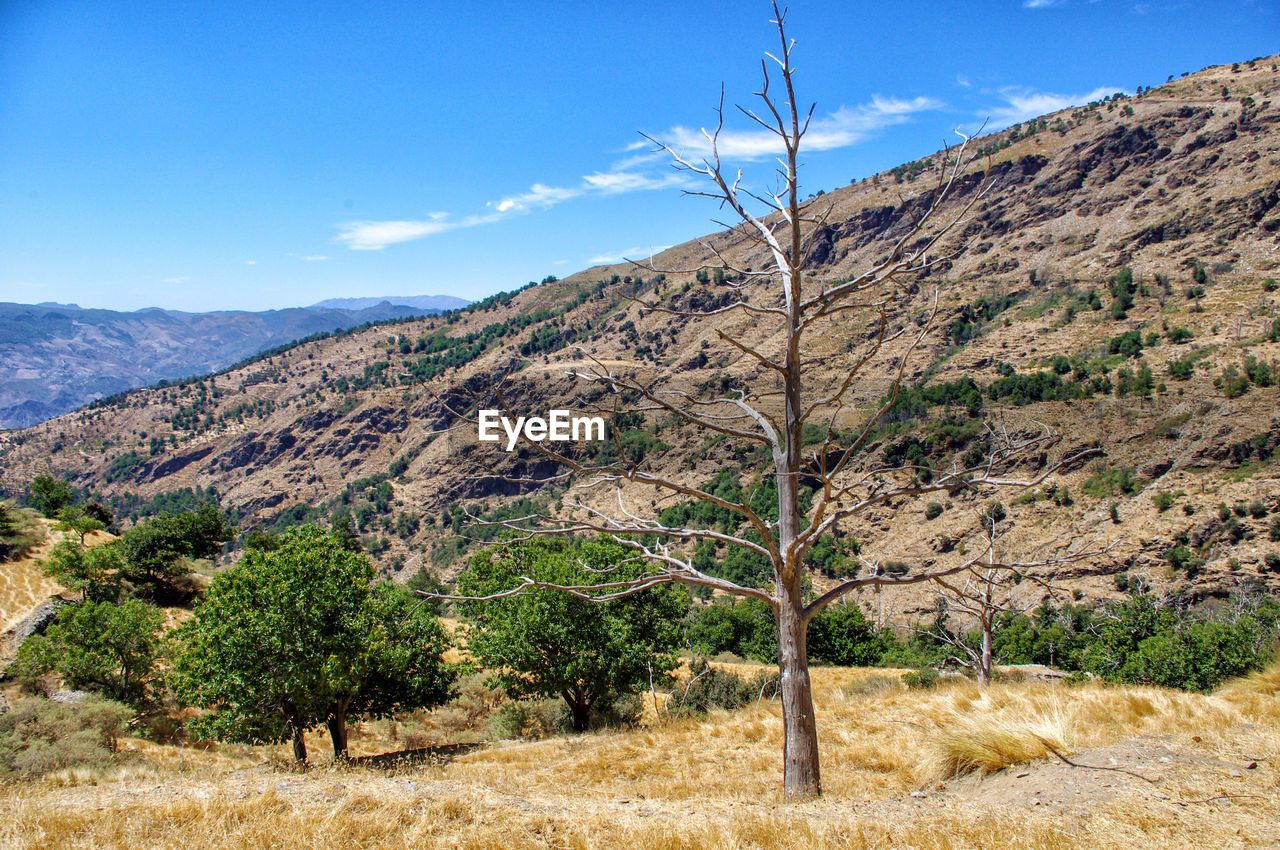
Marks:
<point>1179,185</point>
<point>56,358</point>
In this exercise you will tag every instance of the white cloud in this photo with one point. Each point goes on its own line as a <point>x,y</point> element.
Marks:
<point>315,258</point>
<point>537,196</point>
<point>616,182</point>
<point>632,173</point>
<point>1040,4</point>
<point>846,126</point>
<point>1022,104</point>
<point>629,254</point>
<point>250,262</point>
<point>376,235</point>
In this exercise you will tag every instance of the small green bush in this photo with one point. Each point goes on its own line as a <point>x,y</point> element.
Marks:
<point>713,687</point>
<point>38,735</point>
<point>932,511</point>
<point>925,677</point>
<point>871,685</point>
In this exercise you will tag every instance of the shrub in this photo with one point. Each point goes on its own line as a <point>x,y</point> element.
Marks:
<point>1111,482</point>
<point>38,735</point>
<point>842,635</point>
<point>1162,500</point>
<point>932,511</point>
<point>872,685</point>
<point>713,687</point>
<point>925,677</point>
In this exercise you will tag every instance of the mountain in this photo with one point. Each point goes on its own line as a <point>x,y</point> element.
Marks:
<point>1114,283</point>
<point>433,303</point>
<point>57,357</point>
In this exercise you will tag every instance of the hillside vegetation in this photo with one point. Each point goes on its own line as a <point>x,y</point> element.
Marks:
<point>1118,287</point>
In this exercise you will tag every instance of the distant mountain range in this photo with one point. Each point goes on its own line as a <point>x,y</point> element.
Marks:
<point>55,358</point>
<point>432,303</point>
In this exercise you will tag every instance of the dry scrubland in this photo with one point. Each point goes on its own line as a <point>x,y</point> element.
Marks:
<point>1165,768</point>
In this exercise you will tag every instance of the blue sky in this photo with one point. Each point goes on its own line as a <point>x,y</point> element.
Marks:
<point>231,155</point>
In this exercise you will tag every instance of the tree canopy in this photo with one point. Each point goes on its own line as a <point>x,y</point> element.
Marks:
<point>154,549</point>
<point>99,646</point>
<point>49,495</point>
<point>300,635</point>
<point>548,643</point>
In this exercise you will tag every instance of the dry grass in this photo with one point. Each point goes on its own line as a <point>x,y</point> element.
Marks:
<point>986,743</point>
<point>23,585</point>
<point>715,782</point>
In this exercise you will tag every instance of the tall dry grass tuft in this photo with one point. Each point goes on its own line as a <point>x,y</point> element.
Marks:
<point>1264,682</point>
<point>984,743</point>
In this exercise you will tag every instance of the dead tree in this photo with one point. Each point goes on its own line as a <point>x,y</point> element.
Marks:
<point>986,591</point>
<point>790,309</point>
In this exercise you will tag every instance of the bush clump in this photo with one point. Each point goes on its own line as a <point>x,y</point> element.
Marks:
<point>38,735</point>
<point>925,677</point>
<point>714,687</point>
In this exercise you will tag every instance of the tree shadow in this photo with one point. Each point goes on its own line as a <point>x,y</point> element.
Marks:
<point>437,754</point>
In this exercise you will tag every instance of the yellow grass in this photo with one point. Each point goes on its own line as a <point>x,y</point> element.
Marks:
<point>715,782</point>
<point>987,742</point>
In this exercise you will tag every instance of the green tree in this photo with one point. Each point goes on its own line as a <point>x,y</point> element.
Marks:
<point>100,646</point>
<point>841,634</point>
<point>78,522</point>
<point>94,572</point>
<point>298,636</point>
<point>549,643</point>
<point>156,550</point>
<point>49,495</point>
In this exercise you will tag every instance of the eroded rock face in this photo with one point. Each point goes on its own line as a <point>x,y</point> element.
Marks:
<point>37,621</point>
<point>166,466</point>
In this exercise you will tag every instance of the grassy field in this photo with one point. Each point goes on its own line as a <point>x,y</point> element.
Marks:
<point>1147,767</point>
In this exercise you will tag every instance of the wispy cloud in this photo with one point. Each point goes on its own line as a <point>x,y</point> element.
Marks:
<point>846,126</point>
<point>629,254</point>
<point>250,262</point>
<point>637,172</point>
<point>1040,4</point>
<point>1021,104</point>
<point>376,235</point>
<point>315,258</point>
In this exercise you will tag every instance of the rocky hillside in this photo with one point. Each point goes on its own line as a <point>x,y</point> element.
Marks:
<point>55,358</point>
<point>1116,284</point>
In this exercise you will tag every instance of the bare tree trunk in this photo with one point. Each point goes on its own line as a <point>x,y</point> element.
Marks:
<point>579,711</point>
<point>337,723</point>
<point>296,734</point>
<point>801,775</point>
<point>299,744</point>
<point>984,663</point>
